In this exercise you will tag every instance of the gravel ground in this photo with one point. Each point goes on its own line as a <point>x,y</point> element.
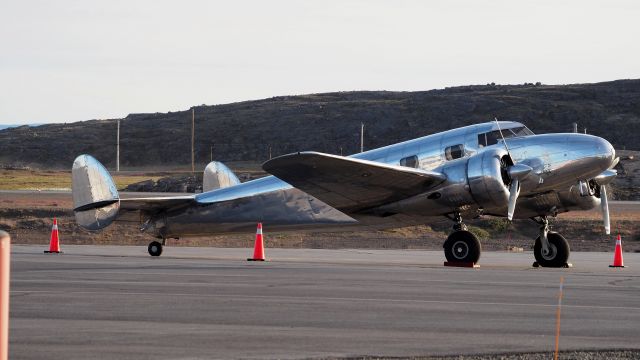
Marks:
<point>564,355</point>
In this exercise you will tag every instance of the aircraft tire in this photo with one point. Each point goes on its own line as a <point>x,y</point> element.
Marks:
<point>558,254</point>
<point>462,246</point>
<point>155,248</point>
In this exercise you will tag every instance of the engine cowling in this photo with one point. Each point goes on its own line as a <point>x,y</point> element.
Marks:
<point>488,178</point>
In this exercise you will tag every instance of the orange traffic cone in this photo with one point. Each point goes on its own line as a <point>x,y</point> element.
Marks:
<point>54,243</point>
<point>617,256</point>
<point>258,251</point>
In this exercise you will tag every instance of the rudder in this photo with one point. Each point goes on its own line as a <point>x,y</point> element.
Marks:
<point>217,176</point>
<point>95,197</point>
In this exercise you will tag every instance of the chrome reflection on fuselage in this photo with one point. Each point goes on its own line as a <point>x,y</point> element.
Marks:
<point>559,162</point>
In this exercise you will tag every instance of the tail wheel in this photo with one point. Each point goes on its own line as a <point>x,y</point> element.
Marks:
<point>558,253</point>
<point>462,246</point>
<point>154,248</point>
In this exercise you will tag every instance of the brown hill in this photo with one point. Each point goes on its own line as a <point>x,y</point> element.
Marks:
<point>327,122</point>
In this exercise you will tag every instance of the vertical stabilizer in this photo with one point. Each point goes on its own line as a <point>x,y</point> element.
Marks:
<point>217,175</point>
<point>95,197</point>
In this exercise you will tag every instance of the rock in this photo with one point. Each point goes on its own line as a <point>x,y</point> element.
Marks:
<point>142,186</point>
<point>186,184</point>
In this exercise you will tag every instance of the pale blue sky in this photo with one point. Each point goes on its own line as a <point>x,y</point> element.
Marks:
<point>64,61</point>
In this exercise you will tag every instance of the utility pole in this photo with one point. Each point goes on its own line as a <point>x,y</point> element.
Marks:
<point>211,150</point>
<point>118,148</point>
<point>193,134</point>
<point>269,152</point>
<point>361,137</point>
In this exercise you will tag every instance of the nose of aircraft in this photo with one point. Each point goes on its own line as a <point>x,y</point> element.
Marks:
<point>604,152</point>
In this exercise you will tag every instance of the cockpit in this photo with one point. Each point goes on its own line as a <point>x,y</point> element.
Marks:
<point>492,137</point>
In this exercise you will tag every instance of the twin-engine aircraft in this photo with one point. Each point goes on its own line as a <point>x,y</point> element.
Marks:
<point>491,169</point>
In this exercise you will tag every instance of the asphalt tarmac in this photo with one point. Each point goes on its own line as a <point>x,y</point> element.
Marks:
<point>116,302</point>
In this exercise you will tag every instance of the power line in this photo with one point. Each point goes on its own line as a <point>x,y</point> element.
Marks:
<point>361,137</point>
<point>118,148</point>
<point>193,134</point>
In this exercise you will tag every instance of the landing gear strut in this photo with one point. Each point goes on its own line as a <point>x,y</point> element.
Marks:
<point>550,249</point>
<point>462,246</point>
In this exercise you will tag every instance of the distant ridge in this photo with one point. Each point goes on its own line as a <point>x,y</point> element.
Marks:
<point>3,126</point>
<point>328,122</point>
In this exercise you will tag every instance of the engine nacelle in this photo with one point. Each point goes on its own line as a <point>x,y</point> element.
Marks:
<point>488,179</point>
<point>478,182</point>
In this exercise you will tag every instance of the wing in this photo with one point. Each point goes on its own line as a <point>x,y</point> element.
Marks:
<point>349,184</point>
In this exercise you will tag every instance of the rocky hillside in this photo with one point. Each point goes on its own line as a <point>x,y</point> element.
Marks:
<point>328,122</point>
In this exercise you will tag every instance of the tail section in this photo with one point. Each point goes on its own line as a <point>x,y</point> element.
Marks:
<point>95,197</point>
<point>217,175</point>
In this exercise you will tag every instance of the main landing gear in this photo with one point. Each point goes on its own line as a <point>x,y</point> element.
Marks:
<point>550,249</point>
<point>462,246</point>
<point>155,247</point>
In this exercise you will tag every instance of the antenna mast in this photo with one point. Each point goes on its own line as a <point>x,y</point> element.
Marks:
<point>502,136</point>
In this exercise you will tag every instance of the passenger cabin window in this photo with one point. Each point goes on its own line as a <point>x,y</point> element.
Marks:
<point>409,161</point>
<point>454,152</point>
<point>492,137</point>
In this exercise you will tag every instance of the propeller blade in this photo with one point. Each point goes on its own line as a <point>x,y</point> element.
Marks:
<point>604,203</point>
<point>519,171</point>
<point>514,191</point>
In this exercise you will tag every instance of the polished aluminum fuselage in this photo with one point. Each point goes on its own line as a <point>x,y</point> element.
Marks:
<point>559,162</point>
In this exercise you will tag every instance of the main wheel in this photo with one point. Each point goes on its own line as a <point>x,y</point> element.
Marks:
<point>462,246</point>
<point>558,253</point>
<point>155,248</point>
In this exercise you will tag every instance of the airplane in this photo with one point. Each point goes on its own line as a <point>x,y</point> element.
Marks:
<point>497,168</point>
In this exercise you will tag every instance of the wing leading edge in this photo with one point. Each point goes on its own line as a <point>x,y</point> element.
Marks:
<point>349,184</point>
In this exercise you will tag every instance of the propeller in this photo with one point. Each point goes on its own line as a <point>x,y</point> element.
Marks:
<point>604,204</point>
<point>602,180</point>
<point>516,173</point>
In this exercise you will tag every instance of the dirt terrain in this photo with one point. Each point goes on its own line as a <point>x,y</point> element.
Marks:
<point>28,216</point>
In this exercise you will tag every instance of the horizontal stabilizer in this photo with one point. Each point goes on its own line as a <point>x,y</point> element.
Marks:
<point>350,184</point>
<point>96,202</point>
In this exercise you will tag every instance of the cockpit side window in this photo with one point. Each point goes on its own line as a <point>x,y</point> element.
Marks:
<point>482,140</point>
<point>454,152</point>
<point>409,161</point>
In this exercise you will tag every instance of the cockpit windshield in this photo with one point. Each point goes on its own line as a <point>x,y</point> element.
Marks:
<point>521,131</point>
<point>492,137</point>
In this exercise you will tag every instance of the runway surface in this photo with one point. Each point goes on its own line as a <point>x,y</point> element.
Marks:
<point>114,302</point>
